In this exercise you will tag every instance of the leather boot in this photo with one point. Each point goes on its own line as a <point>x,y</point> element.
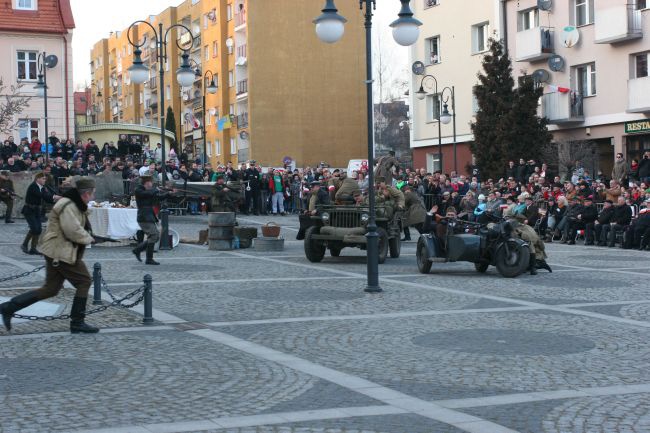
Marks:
<point>139,235</point>
<point>541,264</point>
<point>407,234</point>
<point>33,251</point>
<point>25,246</point>
<point>150,260</point>
<point>139,249</point>
<point>16,303</point>
<point>301,234</point>
<point>78,316</point>
<point>532,266</point>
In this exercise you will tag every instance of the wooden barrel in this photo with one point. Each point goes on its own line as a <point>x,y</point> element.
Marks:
<point>217,219</point>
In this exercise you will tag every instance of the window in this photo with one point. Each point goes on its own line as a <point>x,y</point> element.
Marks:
<point>27,128</point>
<point>433,162</point>
<point>432,48</point>
<point>168,92</point>
<point>206,50</point>
<point>217,145</point>
<point>233,146</point>
<point>229,12</point>
<point>430,3</point>
<point>641,4</point>
<point>475,106</point>
<point>231,78</point>
<point>215,49</point>
<point>232,109</point>
<point>641,65</point>
<point>584,12</point>
<point>205,21</point>
<point>27,69</point>
<point>480,37</point>
<point>528,19</point>
<point>433,108</point>
<point>585,77</point>
<point>27,5</point>
<point>208,147</point>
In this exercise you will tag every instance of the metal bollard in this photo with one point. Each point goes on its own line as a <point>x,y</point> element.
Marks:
<point>97,284</point>
<point>148,300</point>
<point>164,235</point>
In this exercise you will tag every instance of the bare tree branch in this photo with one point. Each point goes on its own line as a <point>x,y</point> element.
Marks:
<point>11,104</point>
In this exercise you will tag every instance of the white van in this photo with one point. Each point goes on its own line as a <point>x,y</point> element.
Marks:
<point>356,164</point>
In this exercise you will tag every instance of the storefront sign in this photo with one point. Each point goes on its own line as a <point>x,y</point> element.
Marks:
<point>637,127</point>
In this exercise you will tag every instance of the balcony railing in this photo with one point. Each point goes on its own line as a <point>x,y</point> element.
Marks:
<point>534,44</point>
<point>242,120</point>
<point>638,95</point>
<point>561,108</point>
<point>240,18</point>
<point>242,87</point>
<point>617,24</point>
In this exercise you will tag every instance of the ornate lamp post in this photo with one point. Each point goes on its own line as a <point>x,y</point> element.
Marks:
<point>330,28</point>
<point>44,62</point>
<point>140,73</point>
<point>211,88</point>
<point>444,115</point>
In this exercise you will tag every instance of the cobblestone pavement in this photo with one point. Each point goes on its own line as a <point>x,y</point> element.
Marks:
<point>247,341</point>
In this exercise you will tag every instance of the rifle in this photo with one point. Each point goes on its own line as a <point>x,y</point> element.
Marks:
<point>103,239</point>
<point>10,192</point>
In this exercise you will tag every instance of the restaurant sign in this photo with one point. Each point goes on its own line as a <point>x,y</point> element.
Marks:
<point>637,127</point>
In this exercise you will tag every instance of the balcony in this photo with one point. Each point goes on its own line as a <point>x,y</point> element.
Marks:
<point>242,120</point>
<point>617,24</point>
<point>638,95</point>
<point>561,108</point>
<point>240,19</point>
<point>534,44</point>
<point>242,88</point>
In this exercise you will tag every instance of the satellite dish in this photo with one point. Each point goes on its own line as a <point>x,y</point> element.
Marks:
<point>418,68</point>
<point>570,36</point>
<point>556,63</point>
<point>243,135</point>
<point>230,43</point>
<point>541,76</point>
<point>545,5</point>
<point>51,61</point>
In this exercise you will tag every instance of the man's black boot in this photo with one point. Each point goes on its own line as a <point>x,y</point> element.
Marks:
<point>139,249</point>
<point>78,316</point>
<point>150,260</point>
<point>16,303</point>
<point>25,246</point>
<point>407,234</point>
<point>541,264</point>
<point>33,251</point>
<point>139,235</point>
<point>532,266</point>
<point>301,235</point>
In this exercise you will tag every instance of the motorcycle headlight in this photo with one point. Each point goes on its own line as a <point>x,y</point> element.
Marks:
<point>325,217</point>
<point>364,218</point>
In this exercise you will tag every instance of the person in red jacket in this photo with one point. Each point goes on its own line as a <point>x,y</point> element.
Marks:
<point>35,147</point>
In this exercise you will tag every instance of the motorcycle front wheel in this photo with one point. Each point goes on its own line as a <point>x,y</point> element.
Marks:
<point>422,256</point>
<point>512,259</point>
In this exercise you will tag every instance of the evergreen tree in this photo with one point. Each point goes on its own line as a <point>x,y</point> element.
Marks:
<point>495,97</point>
<point>525,133</point>
<point>170,124</point>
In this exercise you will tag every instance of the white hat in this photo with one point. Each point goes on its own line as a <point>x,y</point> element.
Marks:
<point>481,197</point>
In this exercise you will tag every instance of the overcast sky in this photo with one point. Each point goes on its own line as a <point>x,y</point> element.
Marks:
<point>91,26</point>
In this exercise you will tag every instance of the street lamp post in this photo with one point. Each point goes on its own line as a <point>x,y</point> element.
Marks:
<point>210,88</point>
<point>330,28</point>
<point>140,73</point>
<point>44,62</point>
<point>443,115</point>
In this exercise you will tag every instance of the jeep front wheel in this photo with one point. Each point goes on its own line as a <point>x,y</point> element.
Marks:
<point>314,249</point>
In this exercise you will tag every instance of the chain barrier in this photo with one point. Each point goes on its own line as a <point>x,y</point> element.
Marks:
<point>23,275</point>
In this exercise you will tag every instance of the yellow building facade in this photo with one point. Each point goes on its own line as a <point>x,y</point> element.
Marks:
<point>281,92</point>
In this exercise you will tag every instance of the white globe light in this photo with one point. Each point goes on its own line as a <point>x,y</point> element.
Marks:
<point>40,91</point>
<point>406,34</point>
<point>330,31</point>
<point>138,73</point>
<point>185,77</point>
<point>445,118</point>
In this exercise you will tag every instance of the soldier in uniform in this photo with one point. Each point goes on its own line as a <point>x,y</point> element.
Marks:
<point>517,216</point>
<point>36,195</point>
<point>252,194</point>
<point>317,198</point>
<point>334,183</point>
<point>223,198</point>
<point>385,166</point>
<point>345,193</point>
<point>145,197</point>
<point>7,195</point>
<point>67,235</point>
<point>415,212</point>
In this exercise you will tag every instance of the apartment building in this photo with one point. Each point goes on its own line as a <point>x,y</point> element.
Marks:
<point>281,93</point>
<point>453,38</point>
<point>29,28</point>
<point>592,58</point>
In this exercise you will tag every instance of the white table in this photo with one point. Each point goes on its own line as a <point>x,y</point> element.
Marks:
<point>114,223</point>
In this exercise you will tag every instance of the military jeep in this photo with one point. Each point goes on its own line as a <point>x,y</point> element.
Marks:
<point>338,227</point>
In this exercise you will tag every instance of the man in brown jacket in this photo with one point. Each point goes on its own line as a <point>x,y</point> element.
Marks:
<point>67,235</point>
